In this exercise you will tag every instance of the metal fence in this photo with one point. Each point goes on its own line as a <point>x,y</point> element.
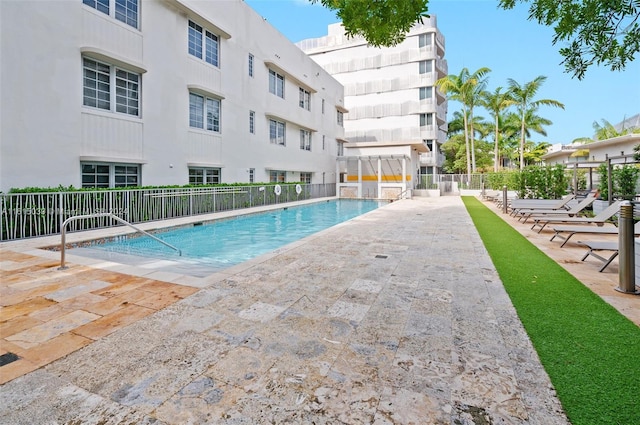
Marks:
<point>440,181</point>
<point>27,215</point>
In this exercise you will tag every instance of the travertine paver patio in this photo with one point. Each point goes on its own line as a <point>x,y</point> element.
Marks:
<point>397,317</point>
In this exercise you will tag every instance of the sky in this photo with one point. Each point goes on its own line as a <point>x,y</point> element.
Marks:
<point>478,34</point>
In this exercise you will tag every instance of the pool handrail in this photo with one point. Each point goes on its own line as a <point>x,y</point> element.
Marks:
<point>63,233</point>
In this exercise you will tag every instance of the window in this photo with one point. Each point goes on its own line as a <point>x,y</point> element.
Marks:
<point>95,175</point>
<point>204,175</point>
<point>323,144</point>
<point>424,40</point>
<point>340,148</point>
<point>276,176</point>
<point>425,66</point>
<point>199,38</point>
<point>426,93</point>
<point>103,82</point>
<point>340,118</point>
<point>252,122</point>
<point>305,140</point>
<point>305,178</point>
<point>250,65</point>
<point>426,119</point>
<point>252,175</point>
<point>277,132</point>
<point>276,83</point>
<point>323,106</point>
<point>305,99</point>
<point>204,112</point>
<point>123,10</point>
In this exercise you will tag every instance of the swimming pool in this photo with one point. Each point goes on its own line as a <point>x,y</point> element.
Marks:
<point>216,245</point>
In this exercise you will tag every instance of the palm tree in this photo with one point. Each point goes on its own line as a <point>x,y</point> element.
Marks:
<point>609,131</point>
<point>532,123</point>
<point>523,96</point>
<point>495,103</point>
<point>465,88</point>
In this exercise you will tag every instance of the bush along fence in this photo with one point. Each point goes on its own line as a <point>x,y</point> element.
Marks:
<point>543,182</point>
<point>31,214</point>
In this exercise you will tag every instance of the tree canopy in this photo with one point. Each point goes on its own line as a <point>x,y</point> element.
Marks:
<point>602,32</point>
<point>382,23</point>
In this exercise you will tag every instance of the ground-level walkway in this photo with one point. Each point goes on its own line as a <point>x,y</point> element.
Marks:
<point>395,317</point>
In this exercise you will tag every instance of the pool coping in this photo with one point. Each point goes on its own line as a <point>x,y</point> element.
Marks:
<point>42,246</point>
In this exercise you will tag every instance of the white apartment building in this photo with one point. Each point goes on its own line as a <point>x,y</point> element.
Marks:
<point>109,93</point>
<point>396,119</point>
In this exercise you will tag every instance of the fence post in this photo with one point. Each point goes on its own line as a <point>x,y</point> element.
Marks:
<point>504,199</point>
<point>626,250</point>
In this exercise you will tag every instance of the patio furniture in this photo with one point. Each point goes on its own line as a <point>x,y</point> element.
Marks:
<point>598,246</point>
<point>595,230</point>
<point>600,219</point>
<point>518,205</point>
<point>539,212</point>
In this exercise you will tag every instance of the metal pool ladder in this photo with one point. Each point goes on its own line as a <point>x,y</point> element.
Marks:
<point>63,233</point>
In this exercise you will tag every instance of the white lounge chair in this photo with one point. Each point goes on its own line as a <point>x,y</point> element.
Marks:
<point>542,213</point>
<point>598,246</point>
<point>591,230</point>
<point>600,219</point>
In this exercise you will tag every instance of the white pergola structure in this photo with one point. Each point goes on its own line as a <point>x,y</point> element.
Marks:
<point>373,176</point>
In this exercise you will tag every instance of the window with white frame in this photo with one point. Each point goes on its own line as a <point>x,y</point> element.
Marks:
<point>123,10</point>
<point>305,140</point>
<point>110,88</point>
<point>252,122</point>
<point>103,175</point>
<point>340,118</point>
<point>277,132</point>
<point>204,112</point>
<point>252,175</point>
<point>202,175</point>
<point>203,44</point>
<point>276,83</point>
<point>424,40</point>
<point>340,148</point>
<point>250,65</point>
<point>305,178</point>
<point>426,119</point>
<point>305,99</point>
<point>425,66</point>
<point>426,93</point>
<point>277,176</point>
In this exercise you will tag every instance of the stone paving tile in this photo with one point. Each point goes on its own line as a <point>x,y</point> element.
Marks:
<point>46,331</point>
<point>325,333</point>
<point>111,322</point>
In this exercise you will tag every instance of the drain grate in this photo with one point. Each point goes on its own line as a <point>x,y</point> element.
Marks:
<point>7,358</point>
<point>382,256</point>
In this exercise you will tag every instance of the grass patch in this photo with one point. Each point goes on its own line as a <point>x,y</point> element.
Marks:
<point>590,351</point>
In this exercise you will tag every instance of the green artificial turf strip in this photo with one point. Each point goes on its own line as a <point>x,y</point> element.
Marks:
<point>590,351</point>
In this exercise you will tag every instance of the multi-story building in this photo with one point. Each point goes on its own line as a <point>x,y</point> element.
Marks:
<point>394,109</point>
<point>107,93</point>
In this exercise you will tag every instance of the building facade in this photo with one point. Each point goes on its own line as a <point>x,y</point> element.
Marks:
<point>109,93</point>
<point>393,108</point>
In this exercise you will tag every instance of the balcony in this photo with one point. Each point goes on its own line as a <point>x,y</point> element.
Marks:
<point>432,159</point>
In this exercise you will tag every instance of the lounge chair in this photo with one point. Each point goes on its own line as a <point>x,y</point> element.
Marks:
<point>601,246</point>
<point>600,219</point>
<point>542,213</point>
<point>518,205</point>
<point>592,230</point>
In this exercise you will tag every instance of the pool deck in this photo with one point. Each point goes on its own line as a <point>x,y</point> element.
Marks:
<point>395,317</point>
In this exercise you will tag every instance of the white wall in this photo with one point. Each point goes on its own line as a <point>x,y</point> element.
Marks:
<point>45,129</point>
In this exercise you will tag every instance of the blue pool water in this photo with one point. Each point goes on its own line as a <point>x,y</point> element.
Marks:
<point>223,243</point>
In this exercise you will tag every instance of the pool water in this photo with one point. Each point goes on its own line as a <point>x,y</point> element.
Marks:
<point>224,243</point>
